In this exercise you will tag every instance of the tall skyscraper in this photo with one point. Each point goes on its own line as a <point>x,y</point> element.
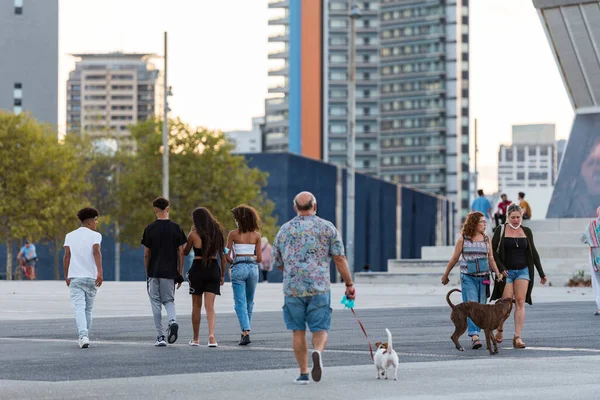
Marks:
<point>29,61</point>
<point>412,89</point>
<point>108,92</point>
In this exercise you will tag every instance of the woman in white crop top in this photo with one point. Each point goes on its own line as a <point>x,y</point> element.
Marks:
<point>245,243</point>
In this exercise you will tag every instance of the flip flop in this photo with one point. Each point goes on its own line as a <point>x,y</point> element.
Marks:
<point>192,343</point>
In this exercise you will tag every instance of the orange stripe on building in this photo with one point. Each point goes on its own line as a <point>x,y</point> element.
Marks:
<point>311,71</point>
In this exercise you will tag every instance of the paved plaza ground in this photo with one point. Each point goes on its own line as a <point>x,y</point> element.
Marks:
<point>41,359</point>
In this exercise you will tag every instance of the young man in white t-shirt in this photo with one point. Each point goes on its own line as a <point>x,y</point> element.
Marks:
<point>83,270</point>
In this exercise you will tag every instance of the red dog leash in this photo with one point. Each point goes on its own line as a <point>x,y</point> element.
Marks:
<point>364,331</point>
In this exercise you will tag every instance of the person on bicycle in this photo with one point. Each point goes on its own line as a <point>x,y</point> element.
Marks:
<point>28,257</point>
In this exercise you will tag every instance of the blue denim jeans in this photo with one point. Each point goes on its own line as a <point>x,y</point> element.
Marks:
<point>83,292</point>
<point>473,289</point>
<point>244,278</point>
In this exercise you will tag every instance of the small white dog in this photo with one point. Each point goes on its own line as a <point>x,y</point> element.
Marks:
<point>386,357</point>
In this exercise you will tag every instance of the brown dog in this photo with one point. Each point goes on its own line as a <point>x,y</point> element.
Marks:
<point>486,316</point>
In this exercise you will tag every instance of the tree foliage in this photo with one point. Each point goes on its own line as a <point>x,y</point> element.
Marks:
<point>42,184</point>
<point>202,172</point>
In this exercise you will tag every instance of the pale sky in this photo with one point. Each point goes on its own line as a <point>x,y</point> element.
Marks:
<point>218,62</point>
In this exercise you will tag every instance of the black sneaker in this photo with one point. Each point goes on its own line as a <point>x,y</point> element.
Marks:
<point>245,340</point>
<point>172,332</point>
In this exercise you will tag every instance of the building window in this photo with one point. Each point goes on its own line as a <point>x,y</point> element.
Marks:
<point>543,151</point>
<point>17,97</point>
<point>338,58</point>
<point>366,146</point>
<point>532,151</point>
<point>366,164</point>
<point>338,23</point>
<point>520,155</point>
<point>521,175</point>
<point>367,128</point>
<point>18,7</point>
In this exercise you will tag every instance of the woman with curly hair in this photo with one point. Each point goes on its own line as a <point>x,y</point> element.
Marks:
<point>245,242</point>
<point>475,266</point>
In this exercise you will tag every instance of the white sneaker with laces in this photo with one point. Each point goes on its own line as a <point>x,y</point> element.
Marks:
<point>84,342</point>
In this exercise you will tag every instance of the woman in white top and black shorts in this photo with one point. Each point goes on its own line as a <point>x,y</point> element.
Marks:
<point>245,243</point>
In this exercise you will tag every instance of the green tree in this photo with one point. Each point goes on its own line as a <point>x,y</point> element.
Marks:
<point>202,172</point>
<point>42,182</point>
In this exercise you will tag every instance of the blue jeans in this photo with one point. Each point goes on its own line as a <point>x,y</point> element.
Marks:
<point>244,278</point>
<point>473,289</point>
<point>83,292</point>
<point>314,311</point>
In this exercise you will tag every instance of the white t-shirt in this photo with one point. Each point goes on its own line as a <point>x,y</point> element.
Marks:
<point>81,243</point>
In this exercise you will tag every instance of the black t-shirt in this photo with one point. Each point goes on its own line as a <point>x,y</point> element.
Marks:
<point>163,237</point>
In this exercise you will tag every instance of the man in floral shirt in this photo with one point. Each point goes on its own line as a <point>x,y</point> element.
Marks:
<point>303,250</point>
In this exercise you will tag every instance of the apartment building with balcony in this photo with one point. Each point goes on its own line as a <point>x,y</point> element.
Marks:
<point>106,93</point>
<point>412,89</point>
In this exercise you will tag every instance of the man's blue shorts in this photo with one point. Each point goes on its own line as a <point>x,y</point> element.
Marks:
<point>314,311</point>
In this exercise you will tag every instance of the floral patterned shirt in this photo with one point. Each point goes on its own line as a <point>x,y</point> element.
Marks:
<point>304,247</point>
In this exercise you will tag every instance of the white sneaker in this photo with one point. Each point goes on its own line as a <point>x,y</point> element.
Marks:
<point>160,341</point>
<point>84,342</point>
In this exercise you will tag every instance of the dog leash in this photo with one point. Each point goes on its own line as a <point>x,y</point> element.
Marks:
<point>350,304</point>
<point>364,331</point>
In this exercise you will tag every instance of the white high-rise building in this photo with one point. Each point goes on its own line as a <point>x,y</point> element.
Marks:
<point>529,165</point>
<point>247,141</point>
<point>106,93</point>
<point>530,161</point>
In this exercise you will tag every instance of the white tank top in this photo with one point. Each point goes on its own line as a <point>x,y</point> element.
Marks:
<point>244,248</point>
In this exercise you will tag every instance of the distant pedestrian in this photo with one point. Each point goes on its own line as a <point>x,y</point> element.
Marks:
<point>500,216</point>
<point>82,264</point>
<point>524,206</point>
<point>265,265</point>
<point>163,242</point>
<point>516,257</point>
<point>28,258</point>
<point>246,243</point>
<point>482,204</point>
<point>206,275</point>
<point>591,236</point>
<point>475,248</point>
<point>303,250</point>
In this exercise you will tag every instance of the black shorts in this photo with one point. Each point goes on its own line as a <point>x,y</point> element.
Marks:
<point>204,278</point>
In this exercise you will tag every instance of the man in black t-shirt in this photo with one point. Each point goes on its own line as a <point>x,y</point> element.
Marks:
<point>163,242</point>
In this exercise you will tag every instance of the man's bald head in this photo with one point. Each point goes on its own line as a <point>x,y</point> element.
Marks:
<point>305,201</point>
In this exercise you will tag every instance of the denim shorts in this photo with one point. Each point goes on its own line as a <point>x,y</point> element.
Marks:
<point>314,311</point>
<point>514,274</point>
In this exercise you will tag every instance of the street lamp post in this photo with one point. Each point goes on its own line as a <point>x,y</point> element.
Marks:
<point>350,195</point>
<point>165,133</point>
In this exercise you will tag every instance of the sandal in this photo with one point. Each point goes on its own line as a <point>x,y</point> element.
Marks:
<point>193,343</point>
<point>476,344</point>
<point>518,345</point>
<point>499,334</point>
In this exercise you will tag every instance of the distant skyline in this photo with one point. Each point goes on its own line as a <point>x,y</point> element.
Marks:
<point>218,62</point>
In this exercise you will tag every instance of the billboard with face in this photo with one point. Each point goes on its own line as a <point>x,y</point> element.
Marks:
<point>577,189</point>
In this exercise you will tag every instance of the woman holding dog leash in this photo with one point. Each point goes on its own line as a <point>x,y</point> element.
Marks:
<point>475,265</point>
<point>515,254</point>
